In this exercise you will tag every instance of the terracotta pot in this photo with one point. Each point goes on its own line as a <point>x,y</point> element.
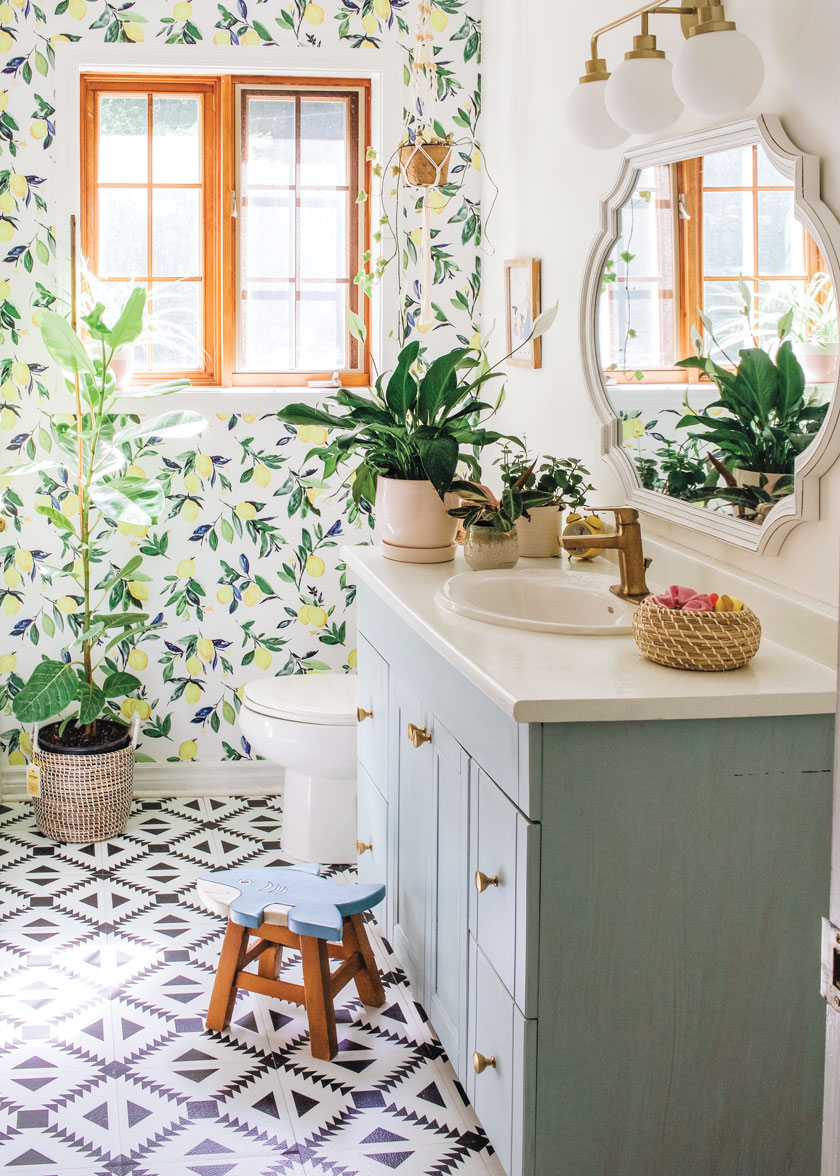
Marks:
<point>412,522</point>
<point>425,165</point>
<point>539,536</point>
<point>486,549</point>
<point>819,365</point>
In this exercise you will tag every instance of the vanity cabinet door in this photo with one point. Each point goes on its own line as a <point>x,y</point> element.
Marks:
<point>372,738</point>
<point>447,999</point>
<point>412,839</point>
<point>373,839</point>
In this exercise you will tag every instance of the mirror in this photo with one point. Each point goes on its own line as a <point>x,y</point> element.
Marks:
<point>711,330</point>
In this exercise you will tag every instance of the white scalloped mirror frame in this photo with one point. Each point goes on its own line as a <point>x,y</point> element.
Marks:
<point>804,170</point>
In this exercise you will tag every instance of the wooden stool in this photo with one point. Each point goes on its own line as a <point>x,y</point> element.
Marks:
<point>292,906</point>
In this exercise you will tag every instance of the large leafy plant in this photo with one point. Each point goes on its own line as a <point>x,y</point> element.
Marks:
<point>764,420</point>
<point>419,422</point>
<point>94,453</point>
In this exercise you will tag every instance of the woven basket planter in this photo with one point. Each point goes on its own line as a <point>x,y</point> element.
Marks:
<point>696,640</point>
<point>425,165</point>
<point>84,797</point>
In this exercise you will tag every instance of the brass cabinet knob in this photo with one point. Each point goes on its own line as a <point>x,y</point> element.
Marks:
<point>363,847</point>
<point>362,714</point>
<point>418,735</point>
<point>482,881</point>
<point>480,1062</point>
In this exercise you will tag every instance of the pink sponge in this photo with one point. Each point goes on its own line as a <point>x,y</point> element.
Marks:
<point>686,599</point>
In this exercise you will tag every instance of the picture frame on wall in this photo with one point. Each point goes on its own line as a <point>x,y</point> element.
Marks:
<point>522,306</point>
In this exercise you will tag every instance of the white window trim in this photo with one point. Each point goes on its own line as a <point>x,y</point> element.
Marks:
<point>384,68</point>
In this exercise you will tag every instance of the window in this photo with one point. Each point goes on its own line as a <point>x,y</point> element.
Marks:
<point>692,236</point>
<point>234,200</point>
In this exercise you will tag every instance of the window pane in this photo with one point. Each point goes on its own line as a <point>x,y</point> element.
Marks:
<point>123,246</point>
<point>724,306</point>
<point>768,174</point>
<point>123,151</point>
<point>322,327</point>
<point>729,169</point>
<point>774,300</point>
<point>176,216</point>
<point>781,240</point>
<point>268,328</point>
<point>727,233</point>
<point>268,235</point>
<point>323,235</point>
<point>175,329</point>
<point>323,146</point>
<point>269,149</point>
<point>176,157</point>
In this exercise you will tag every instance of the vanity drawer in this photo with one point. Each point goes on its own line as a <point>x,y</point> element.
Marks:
<point>503,1042</point>
<point>504,888</point>
<point>372,736</point>
<point>372,826</point>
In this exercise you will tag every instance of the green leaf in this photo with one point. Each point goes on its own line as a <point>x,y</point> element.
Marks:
<point>51,687</point>
<point>791,382</point>
<point>440,384</point>
<point>228,713</point>
<point>63,344</point>
<point>120,684</point>
<point>130,323</point>
<point>42,252</point>
<point>227,531</point>
<point>306,414</point>
<point>129,500</point>
<point>401,393</point>
<point>56,517</point>
<point>175,424</point>
<point>439,456</point>
<point>91,702</point>
<point>356,326</point>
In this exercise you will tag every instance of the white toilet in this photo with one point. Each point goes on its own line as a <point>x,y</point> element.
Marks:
<point>307,723</point>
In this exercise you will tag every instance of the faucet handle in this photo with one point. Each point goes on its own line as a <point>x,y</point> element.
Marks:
<point>623,514</point>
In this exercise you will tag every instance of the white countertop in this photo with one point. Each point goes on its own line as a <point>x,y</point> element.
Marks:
<point>550,678</point>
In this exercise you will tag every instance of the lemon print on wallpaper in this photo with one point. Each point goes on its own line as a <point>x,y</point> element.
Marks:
<point>240,491</point>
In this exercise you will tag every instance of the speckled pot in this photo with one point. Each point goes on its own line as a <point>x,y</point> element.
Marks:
<point>486,550</point>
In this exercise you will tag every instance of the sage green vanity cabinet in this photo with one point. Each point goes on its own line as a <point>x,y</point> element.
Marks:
<point>642,961</point>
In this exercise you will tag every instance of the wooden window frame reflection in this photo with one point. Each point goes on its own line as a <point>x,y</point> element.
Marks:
<point>218,243</point>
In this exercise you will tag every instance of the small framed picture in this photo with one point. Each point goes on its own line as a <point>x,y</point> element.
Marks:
<point>522,305</point>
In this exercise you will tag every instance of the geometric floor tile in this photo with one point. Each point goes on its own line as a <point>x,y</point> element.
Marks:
<point>106,1069</point>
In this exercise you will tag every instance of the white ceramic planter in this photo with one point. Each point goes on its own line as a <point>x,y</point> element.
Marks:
<point>487,550</point>
<point>753,478</point>
<point>819,365</point>
<point>412,522</point>
<point>539,536</point>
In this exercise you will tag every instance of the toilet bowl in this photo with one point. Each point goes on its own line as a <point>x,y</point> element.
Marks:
<point>307,723</point>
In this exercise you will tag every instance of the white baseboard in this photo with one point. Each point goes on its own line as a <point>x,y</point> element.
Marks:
<point>239,778</point>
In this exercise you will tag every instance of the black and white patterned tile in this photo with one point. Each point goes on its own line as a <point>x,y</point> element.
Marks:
<point>106,965</point>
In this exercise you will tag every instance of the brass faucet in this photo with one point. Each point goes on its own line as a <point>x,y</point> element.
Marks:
<point>627,541</point>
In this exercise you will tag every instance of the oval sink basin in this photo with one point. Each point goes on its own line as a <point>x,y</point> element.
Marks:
<point>544,600</point>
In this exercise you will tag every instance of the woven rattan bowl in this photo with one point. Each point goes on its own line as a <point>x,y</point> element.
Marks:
<point>696,640</point>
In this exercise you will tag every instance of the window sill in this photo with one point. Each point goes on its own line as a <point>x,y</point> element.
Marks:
<point>226,400</point>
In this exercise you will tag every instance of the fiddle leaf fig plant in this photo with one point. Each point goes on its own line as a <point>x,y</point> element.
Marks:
<point>94,455</point>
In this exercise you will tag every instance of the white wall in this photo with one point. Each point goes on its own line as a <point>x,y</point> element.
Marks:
<point>548,208</point>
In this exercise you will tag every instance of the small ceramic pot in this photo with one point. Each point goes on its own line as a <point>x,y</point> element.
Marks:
<point>818,364</point>
<point>539,536</point>
<point>753,478</point>
<point>413,523</point>
<point>486,549</point>
<point>122,367</point>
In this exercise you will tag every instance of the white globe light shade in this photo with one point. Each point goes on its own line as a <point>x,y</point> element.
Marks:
<point>719,73</point>
<point>640,95</point>
<point>588,118</point>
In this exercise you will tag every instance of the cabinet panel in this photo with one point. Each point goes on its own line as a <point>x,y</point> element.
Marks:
<point>448,957</point>
<point>373,836</point>
<point>373,727</point>
<point>411,815</point>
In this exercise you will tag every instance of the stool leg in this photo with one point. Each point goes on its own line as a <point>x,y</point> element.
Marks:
<point>231,959</point>
<point>270,961</point>
<point>368,982</point>
<point>323,1040</point>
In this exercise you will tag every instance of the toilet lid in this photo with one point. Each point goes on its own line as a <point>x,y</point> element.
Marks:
<point>328,700</point>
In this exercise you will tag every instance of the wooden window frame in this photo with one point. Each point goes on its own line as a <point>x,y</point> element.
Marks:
<point>688,195</point>
<point>220,247</point>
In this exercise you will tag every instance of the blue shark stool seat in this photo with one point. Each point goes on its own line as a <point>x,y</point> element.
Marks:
<point>292,906</point>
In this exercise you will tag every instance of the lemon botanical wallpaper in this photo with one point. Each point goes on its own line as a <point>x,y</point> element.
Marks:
<point>243,577</point>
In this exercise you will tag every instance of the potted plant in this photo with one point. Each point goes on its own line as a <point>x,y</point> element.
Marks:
<point>83,755</point>
<point>815,328</point>
<point>556,485</point>
<point>411,432</point>
<point>424,160</point>
<point>492,540</point>
<point>764,420</point>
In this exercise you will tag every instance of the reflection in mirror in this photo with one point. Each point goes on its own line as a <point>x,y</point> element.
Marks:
<point>717,331</point>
